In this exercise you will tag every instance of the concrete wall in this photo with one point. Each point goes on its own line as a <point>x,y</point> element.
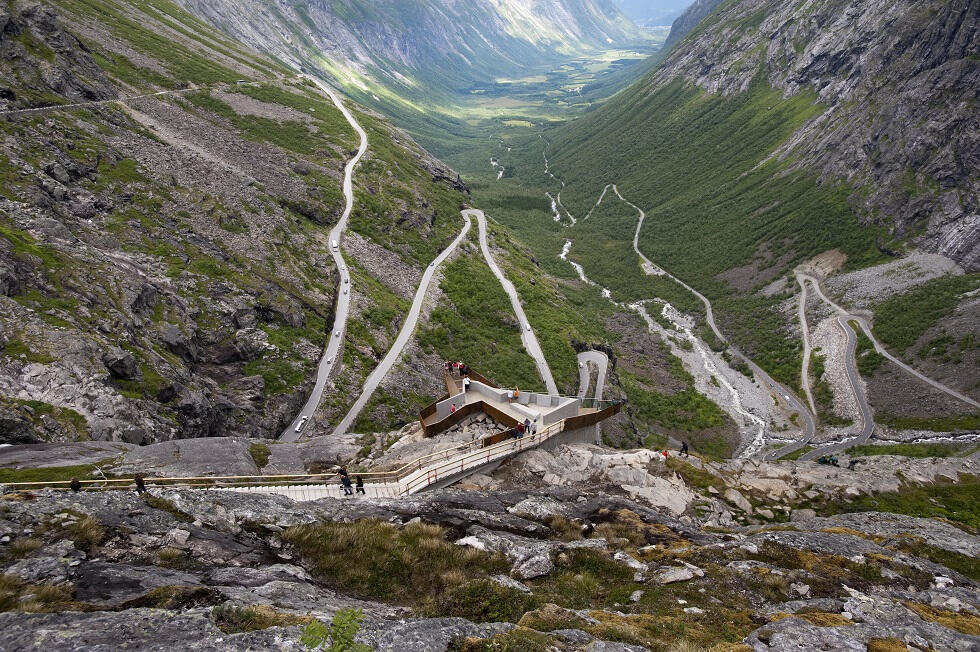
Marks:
<point>585,435</point>
<point>442,407</point>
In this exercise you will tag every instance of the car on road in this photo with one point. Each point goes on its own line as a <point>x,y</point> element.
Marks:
<point>336,333</point>
<point>527,326</point>
<point>302,422</point>
<point>333,243</point>
<point>345,290</point>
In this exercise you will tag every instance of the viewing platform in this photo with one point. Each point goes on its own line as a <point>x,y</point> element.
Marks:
<point>559,420</point>
<point>485,397</point>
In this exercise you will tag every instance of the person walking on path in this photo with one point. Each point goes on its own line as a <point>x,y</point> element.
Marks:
<point>520,430</point>
<point>466,384</point>
<point>345,481</point>
<point>684,449</point>
<point>360,485</point>
<point>534,426</point>
<point>452,408</point>
<point>140,484</point>
<point>527,425</point>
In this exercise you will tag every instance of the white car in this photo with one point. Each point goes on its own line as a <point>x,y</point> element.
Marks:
<point>336,333</point>
<point>528,327</point>
<point>345,290</point>
<point>302,422</point>
<point>333,244</point>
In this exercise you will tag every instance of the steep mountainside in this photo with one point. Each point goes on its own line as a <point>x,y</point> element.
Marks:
<point>776,131</point>
<point>413,61</point>
<point>694,14</point>
<point>893,88</point>
<point>164,264</point>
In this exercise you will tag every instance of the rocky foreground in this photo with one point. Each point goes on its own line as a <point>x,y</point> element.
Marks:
<point>588,565</point>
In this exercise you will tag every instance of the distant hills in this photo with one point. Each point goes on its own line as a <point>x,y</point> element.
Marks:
<point>651,13</point>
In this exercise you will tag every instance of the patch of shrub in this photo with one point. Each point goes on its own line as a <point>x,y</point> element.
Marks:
<point>374,559</point>
<point>234,620</point>
<point>260,454</point>
<point>483,601</point>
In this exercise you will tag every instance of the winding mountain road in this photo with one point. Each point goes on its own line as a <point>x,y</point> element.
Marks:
<point>853,377</point>
<point>408,328</point>
<point>527,335</point>
<point>809,427</point>
<point>805,331</point>
<point>336,336</point>
<point>881,349</point>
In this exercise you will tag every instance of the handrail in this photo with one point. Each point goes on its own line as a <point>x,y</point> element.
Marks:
<point>385,477</point>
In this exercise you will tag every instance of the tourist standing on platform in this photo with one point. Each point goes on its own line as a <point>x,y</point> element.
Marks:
<point>360,485</point>
<point>466,384</point>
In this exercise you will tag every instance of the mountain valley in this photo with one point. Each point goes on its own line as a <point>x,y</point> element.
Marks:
<point>713,295</point>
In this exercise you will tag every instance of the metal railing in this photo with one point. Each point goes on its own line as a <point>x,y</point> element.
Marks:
<point>407,479</point>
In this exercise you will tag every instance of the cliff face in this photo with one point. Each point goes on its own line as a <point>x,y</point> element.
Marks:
<point>900,82</point>
<point>694,14</point>
<point>164,264</point>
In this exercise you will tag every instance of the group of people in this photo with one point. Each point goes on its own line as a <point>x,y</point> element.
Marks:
<point>513,394</point>
<point>527,427</point>
<point>350,487</point>
<point>456,368</point>
<point>831,460</point>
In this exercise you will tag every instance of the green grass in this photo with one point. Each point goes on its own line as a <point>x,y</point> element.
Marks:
<point>16,347</point>
<point>377,560</point>
<point>950,423</point>
<point>483,601</point>
<point>476,324</point>
<point>397,205</point>
<point>260,454</point>
<point>901,320</point>
<point>868,359</point>
<point>913,450</point>
<point>279,375</point>
<point>955,501</point>
<point>798,453</point>
<point>291,135</point>
<point>686,413</point>
<point>965,564</point>
<point>693,476</point>
<point>51,473</point>
<point>70,419</point>
<point>184,63</point>
<point>232,619</point>
<point>561,314</point>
